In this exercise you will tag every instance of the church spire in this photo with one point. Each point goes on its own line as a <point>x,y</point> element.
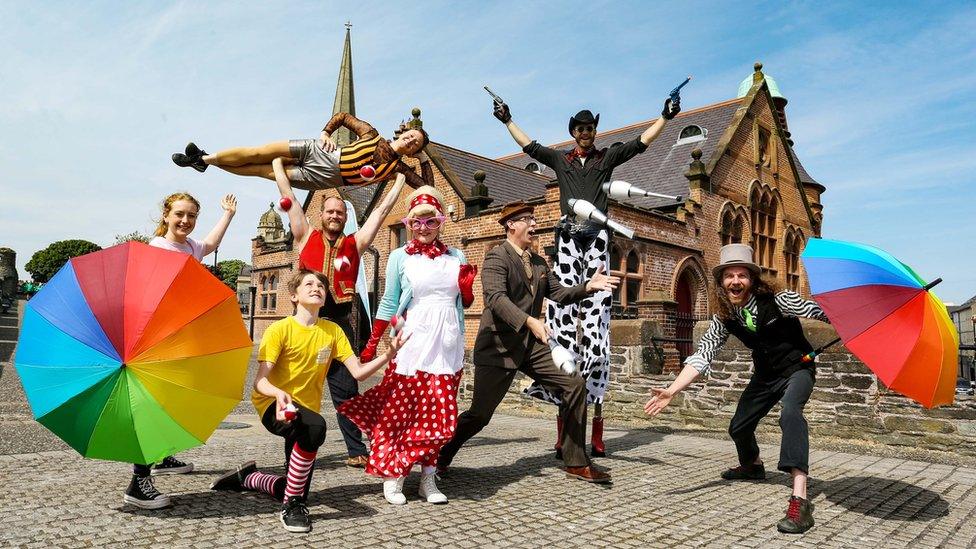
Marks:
<point>345,100</point>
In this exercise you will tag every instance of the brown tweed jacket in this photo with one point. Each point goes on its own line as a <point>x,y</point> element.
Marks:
<point>503,339</point>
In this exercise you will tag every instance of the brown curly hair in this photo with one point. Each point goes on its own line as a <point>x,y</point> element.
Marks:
<point>760,286</point>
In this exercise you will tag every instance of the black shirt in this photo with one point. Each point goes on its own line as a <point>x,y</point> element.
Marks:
<point>582,180</point>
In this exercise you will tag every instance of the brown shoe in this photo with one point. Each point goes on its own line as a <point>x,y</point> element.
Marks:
<point>589,473</point>
<point>357,461</point>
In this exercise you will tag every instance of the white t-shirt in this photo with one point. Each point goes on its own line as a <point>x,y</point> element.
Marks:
<point>192,247</point>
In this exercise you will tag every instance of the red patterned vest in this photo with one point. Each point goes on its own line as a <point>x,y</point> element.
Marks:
<point>318,255</point>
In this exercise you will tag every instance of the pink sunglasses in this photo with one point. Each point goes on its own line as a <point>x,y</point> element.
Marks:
<point>430,222</point>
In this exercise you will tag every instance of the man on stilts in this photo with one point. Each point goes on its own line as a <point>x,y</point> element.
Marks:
<point>582,247</point>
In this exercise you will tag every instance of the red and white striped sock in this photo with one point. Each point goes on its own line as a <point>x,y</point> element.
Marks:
<point>299,471</point>
<point>262,482</point>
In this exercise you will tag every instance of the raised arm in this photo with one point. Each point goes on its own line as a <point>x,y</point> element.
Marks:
<point>671,109</point>
<point>296,216</point>
<point>367,233</point>
<point>212,241</point>
<point>503,114</point>
<point>426,176</point>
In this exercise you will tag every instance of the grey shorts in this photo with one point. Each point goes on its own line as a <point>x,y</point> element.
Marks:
<point>314,168</point>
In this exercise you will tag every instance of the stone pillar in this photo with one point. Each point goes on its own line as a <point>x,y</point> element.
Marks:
<point>8,272</point>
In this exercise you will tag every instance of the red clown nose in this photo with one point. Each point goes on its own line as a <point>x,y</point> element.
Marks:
<point>284,203</point>
<point>367,172</point>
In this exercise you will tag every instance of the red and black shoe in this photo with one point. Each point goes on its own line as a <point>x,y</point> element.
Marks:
<point>751,472</point>
<point>799,516</point>
<point>597,448</point>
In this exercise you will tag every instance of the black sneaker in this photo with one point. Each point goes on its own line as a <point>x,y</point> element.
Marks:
<point>294,515</point>
<point>171,466</point>
<point>144,495</point>
<point>195,155</point>
<point>752,472</point>
<point>799,517</point>
<point>234,480</point>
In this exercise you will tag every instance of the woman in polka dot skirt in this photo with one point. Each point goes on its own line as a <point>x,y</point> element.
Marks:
<point>412,413</point>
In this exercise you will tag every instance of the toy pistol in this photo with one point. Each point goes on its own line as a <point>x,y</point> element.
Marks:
<point>494,96</point>
<point>674,93</point>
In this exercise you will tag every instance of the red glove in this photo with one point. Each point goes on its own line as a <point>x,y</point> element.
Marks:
<point>379,328</point>
<point>466,278</point>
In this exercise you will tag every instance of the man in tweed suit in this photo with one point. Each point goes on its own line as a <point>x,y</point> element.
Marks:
<point>511,338</point>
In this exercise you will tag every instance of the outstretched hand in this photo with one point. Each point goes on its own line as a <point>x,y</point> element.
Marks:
<point>601,282</point>
<point>671,108</point>
<point>396,342</point>
<point>229,204</point>
<point>660,400</point>
<point>502,113</point>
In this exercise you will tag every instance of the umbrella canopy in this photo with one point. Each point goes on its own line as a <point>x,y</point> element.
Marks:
<point>132,353</point>
<point>886,315</point>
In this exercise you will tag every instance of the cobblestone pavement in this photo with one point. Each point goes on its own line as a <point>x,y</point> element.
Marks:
<point>506,490</point>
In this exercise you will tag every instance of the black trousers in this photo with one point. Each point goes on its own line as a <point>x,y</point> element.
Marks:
<point>490,386</point>
<point>342,387</point>
<point>757,400</point>
<point>307,430</point>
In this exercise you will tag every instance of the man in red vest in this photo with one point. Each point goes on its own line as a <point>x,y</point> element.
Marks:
<point>337,255</point>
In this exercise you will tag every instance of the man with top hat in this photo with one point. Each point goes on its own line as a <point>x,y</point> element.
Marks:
<point>336,255</point>
<point>582,247</point>
<point>767,322</point>
<point>512,339</point>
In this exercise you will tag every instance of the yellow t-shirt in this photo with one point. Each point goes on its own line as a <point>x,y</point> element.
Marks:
<point>301,356</point>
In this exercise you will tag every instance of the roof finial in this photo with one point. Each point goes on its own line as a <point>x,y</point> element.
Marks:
<point>348,25</point>
<point>758,75</point>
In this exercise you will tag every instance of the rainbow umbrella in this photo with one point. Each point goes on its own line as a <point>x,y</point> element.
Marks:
<point>132,353</point>
<point>886,315</point>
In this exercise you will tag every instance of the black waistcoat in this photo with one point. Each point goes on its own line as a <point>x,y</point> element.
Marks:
<point>778,344</point>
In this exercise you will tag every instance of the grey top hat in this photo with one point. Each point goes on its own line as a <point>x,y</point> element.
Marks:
<point>735,255</point>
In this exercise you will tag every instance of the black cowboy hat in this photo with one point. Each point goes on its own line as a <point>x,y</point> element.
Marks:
<point>583,117</point>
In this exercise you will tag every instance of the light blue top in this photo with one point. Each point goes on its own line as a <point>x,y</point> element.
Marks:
<point>398,293</point>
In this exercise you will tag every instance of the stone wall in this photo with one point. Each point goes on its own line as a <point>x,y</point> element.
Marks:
<point>848,405</point>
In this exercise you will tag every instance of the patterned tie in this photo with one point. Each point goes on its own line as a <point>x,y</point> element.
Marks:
<point>527,264</point>
<point>750,324</point>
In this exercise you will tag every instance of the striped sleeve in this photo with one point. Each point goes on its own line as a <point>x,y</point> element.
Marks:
<point>710,343</point>
<point>791,304</point>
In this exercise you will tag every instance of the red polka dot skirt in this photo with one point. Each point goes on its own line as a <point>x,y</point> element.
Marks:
<point>407,419</point>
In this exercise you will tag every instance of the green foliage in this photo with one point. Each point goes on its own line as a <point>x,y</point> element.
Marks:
<point>45,263</point>
<point>133,236</point>
<point>228,271</point>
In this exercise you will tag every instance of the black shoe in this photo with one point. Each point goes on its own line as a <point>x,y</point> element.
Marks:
<point>799,517</point>
<point>234,480</point>
<point>182,160</point>
<point>144,495</point>
<point>294,515</point>
<point>171,466</point>
<point>752,472</point>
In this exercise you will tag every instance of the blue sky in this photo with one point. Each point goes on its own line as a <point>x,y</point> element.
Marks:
<point>97,95</point>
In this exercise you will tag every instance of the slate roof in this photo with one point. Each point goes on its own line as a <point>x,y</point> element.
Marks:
<point>505,182</point>
<point>662,166</point>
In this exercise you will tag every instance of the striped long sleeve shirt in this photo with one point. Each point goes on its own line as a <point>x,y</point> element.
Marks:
<point>789,302</point>
<point>371,148</point>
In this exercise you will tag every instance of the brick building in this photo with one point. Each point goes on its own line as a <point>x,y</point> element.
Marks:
<point>732,162</point>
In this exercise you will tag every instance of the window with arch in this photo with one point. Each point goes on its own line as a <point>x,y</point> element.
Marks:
<point>763,206</point>
<point>627,265</point>
<point>793,245</point>
<point>691,134</point>
<point>532,167</point>
<point>731,227</point>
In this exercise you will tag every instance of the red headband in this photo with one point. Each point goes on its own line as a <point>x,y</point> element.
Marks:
<point>426,199</point>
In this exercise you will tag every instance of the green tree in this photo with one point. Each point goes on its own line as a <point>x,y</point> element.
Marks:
<point>46,262</point>
<point>228,270</point>
<point>134,235</point>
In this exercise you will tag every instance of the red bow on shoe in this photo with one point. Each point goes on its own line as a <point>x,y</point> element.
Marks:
<point>431,250</point>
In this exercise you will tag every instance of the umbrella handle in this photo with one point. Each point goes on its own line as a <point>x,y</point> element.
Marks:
<point>813,354</point>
